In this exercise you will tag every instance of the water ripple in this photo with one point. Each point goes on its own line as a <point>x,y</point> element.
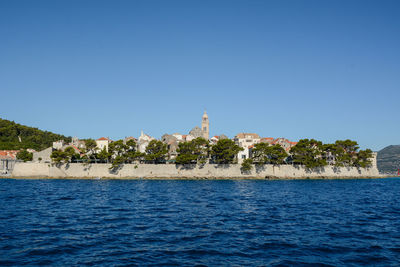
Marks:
<point>200,223</point>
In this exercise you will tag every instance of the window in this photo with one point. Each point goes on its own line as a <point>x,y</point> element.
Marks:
<point>243,156</point>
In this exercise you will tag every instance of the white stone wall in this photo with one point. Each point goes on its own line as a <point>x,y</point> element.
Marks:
<point>175,171</point>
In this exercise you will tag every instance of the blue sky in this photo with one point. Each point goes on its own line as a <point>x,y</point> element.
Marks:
<point>297,69</point>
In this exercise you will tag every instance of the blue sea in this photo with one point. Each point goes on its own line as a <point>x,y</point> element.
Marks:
<point>203,223</point>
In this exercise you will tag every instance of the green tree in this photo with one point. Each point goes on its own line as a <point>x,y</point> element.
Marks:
<point>59,156</point>
<point>347,152</point>
<point>225,151</point>
<point>308,152</point>
<point>246,165</point>
<point>117,162</point>
<point>17,136</point>
<point>104,155</point>
<point>156,151</point>
<point>195,151</point>
<point>117,148</point>
<point>131,153</point>
<point>263,153</point>
<point>277,154</point>
<point>91,148</point>
<point>363,158</point>
<point>71,153</point>
<point>260,153</point>
<point>24,155</point>
<point>186,153</point>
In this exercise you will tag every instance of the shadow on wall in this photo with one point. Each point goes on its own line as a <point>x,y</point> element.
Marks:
<point>318,170</point>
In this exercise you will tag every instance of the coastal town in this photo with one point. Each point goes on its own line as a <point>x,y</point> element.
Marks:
<point>246,141</point>
<point>196,147</point>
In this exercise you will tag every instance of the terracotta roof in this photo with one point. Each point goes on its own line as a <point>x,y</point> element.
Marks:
<point>77,149</point>
<point>102,138</point>
<point>8,154</point>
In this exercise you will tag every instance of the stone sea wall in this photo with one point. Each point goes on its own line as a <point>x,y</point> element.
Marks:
<point>210,171</point>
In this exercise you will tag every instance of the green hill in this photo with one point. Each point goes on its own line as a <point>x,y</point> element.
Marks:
<point>388,159</point>
<point>17,136</point>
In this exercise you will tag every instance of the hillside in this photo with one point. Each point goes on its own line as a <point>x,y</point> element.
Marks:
<point>388,159</point>
<point>17,136</point>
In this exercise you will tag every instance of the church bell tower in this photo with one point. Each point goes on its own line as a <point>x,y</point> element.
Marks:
<point>205,126</point>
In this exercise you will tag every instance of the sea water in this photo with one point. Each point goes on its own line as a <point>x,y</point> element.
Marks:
<point>186,223</point>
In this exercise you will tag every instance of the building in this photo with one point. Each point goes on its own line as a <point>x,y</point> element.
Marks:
<point>204,131</point>
<point>196,132</point>
<point>246,141</point>
<point>285,143</point>
<point>205,126</point>
<point>214,139</point>
<point>58,145</point>
<point>102,143</point>
<point>129,138</point>
<point>8,154</point>
<point>143,141</point>
<point>172,144</point>
<point>188,137</point>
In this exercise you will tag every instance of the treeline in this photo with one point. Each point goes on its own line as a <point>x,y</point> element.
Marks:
<point>307,152</point>
<point>197,151</point>
<point>14,136</point>
<point>311,154</point>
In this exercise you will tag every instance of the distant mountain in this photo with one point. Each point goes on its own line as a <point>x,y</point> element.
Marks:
<point>17,136</point>
<point>388,159</point>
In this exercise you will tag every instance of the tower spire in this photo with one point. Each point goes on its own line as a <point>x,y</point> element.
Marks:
<point>205,126</point>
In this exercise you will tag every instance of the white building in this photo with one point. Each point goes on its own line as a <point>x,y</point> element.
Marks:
<point>58,144</point>
<point>102,143</point>
<point>188,137</point>
<point>178,137</point>
<point>143,141</point>
<point>246,141</point>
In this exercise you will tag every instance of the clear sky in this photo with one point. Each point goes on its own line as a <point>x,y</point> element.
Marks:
<point>297,69</point>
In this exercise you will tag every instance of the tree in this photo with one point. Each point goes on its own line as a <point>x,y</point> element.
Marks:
<point>131,153</point>
<point>117,148</point>
<point>225,151</point>
<point>247,165</point>
<point>277,154</point>
<point>91,148</point>
<point>260,153</point>
<point>263,153</point>
<point>347,150</point>
<point>71,153</point>
<point>156,151</point>
<point>308,152</point>
<point>117,162</point>
<point>59,156</point>
<point>104,155</point>
<point>201,149</point>
<point>186,154</point>
<point>17,136</point>
<point>195,151</point>
<point>24,155</point>
<point>363,158</point>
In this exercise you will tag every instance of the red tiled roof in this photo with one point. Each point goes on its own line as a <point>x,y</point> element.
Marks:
<point>76,148</point>
<point>102,138</point>
<point>8,154</point>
